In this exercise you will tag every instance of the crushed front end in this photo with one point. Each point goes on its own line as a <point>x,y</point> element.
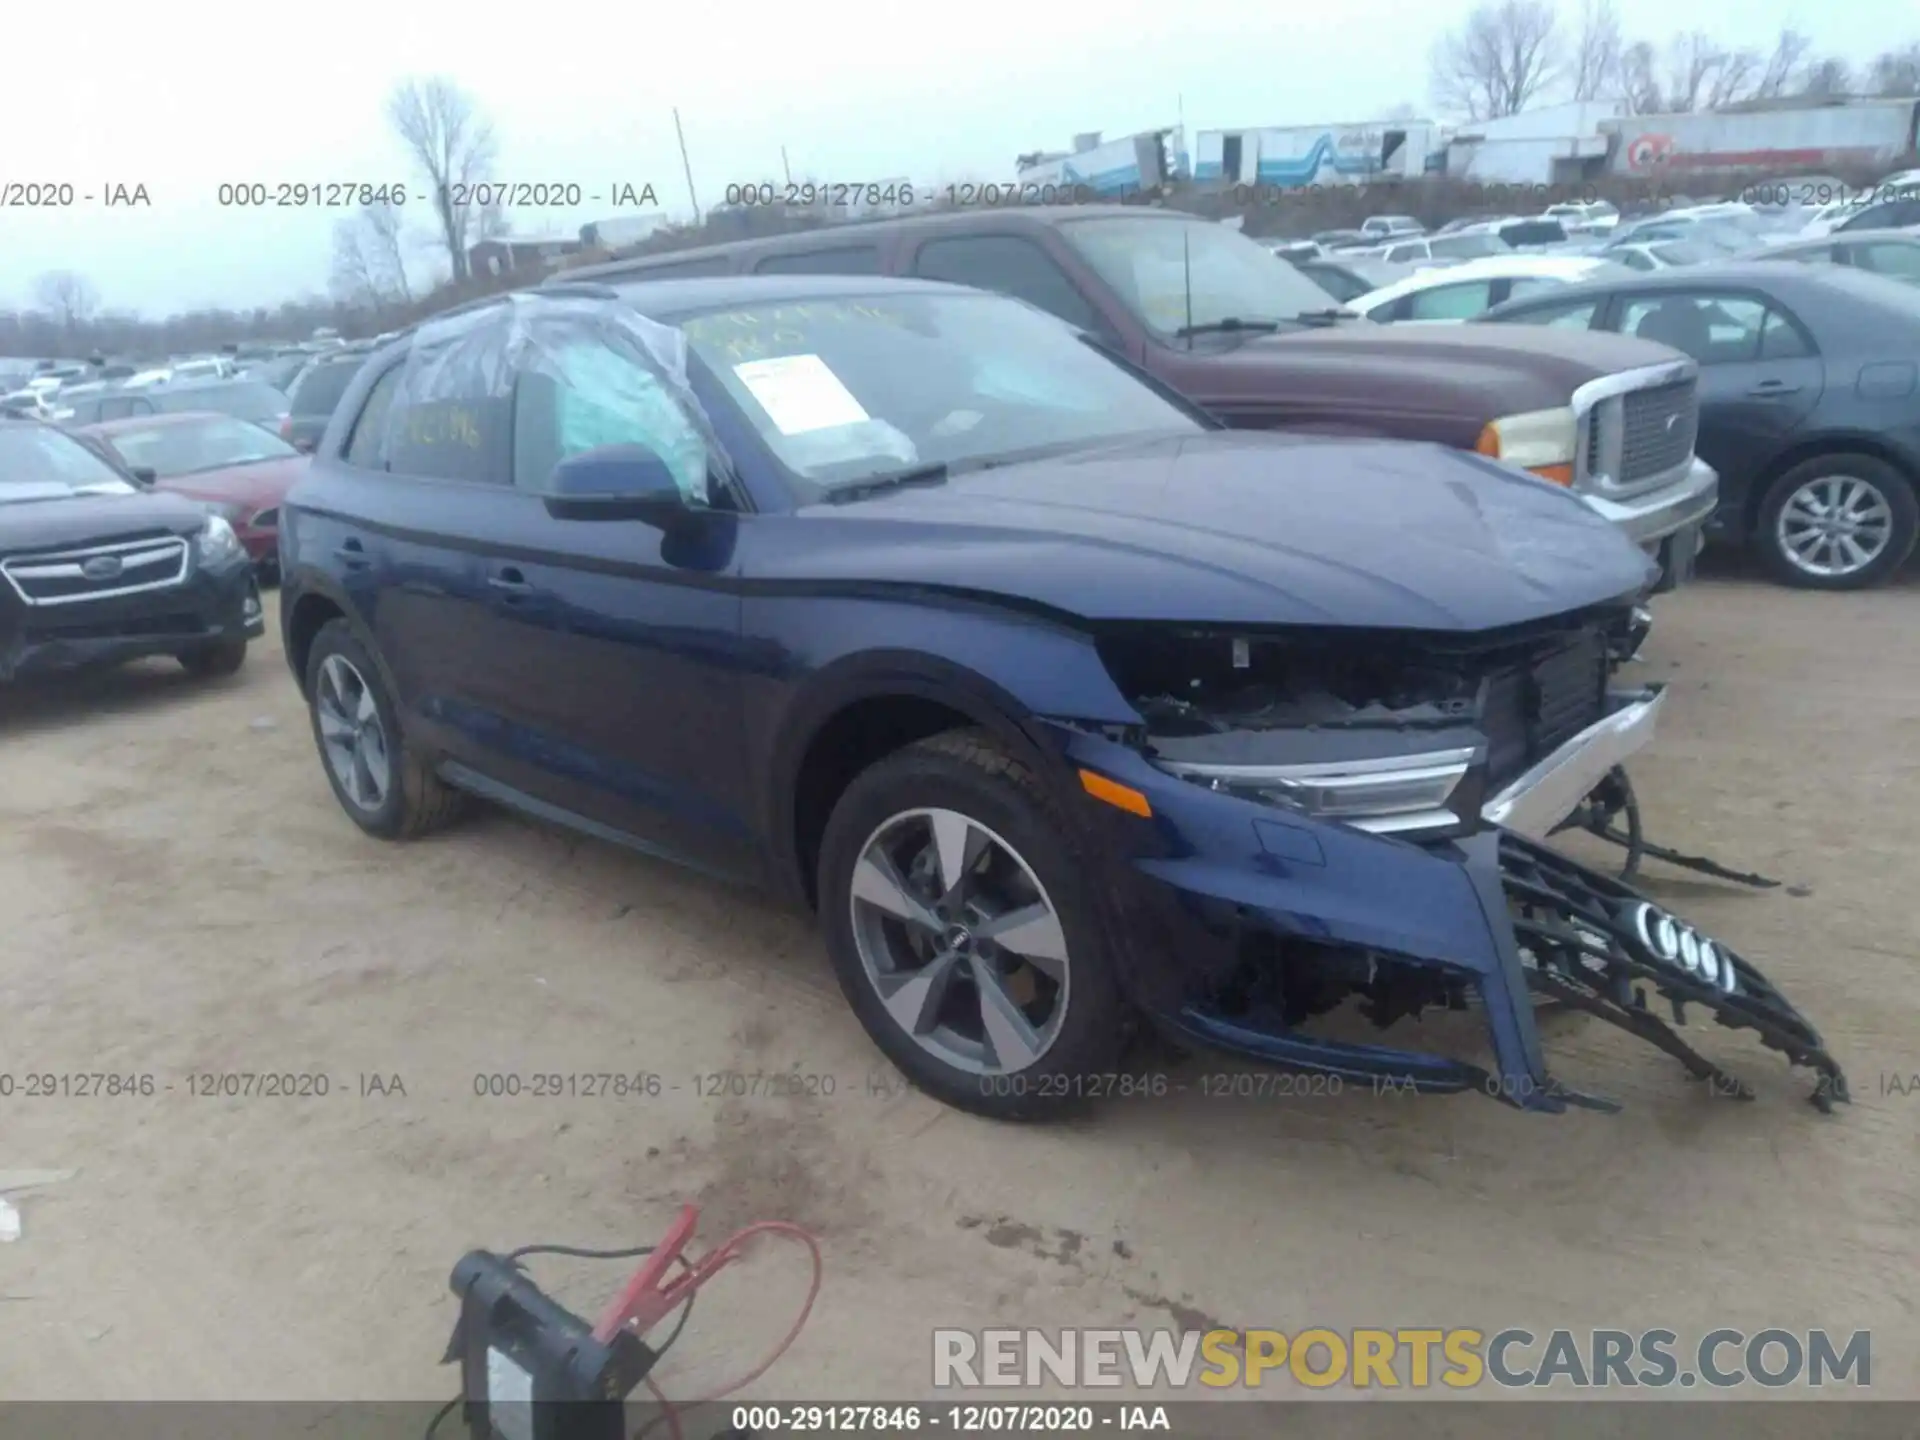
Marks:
<point>1344,822</point>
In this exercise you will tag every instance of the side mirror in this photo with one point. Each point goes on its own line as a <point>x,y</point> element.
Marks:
<point>615,482</point>
<point>145,474</point>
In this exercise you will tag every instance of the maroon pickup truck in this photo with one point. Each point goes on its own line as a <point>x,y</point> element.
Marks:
<point>1220,319</point>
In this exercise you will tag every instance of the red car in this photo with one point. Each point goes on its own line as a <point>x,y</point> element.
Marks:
<point>238,468</point>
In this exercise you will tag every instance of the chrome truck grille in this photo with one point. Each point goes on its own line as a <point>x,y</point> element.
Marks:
<point>1642,436</point>
<point>98,572</point>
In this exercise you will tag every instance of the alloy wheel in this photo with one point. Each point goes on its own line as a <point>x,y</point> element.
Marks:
<point>351,735</point>
<point>960,941</point>
<point>1834,526</point>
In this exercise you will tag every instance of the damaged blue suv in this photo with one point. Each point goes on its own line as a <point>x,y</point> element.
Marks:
<point>1063,707</point>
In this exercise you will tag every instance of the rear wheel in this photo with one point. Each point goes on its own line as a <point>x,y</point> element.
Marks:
<point>1837,522</point>
<point>960,923</point>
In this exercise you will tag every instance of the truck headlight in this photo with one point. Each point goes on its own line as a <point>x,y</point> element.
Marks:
<point>1542,441</point>
<point>216,544</point>
<point>1389,796</point>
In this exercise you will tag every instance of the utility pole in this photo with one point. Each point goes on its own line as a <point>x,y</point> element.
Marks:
<point>686,164</point>
<point>785,168</point>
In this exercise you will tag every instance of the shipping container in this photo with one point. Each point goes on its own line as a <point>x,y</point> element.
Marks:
<point>1857,134</point>
<point>1291,156</point>
<point>1117,168</point>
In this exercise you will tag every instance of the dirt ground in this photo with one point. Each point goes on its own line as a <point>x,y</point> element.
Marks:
<point>180,895</point>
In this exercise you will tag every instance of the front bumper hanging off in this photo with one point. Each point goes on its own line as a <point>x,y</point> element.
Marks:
<point>1559,931</point>
<point>1592,942</point>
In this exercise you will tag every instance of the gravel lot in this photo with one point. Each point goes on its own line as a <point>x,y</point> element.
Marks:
<point>182,895</point>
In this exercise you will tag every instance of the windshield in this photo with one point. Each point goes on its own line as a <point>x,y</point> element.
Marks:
<point>248,399</point>
<point>1468,247</point>
<point>1147,263</point>
<point>185,447</point>
<point>848,390</point>
<point>41,463</point>
<point>322,386</point>
<point>1680,252</point>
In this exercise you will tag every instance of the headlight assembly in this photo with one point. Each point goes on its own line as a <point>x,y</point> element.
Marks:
<point>1542,441</point>
<point>1387,796</point>
<point>216,544</point>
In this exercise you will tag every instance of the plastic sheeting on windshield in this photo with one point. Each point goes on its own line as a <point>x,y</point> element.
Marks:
<point>542,377</point>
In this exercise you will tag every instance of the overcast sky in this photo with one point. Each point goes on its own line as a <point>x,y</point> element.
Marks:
<point>182,97</point>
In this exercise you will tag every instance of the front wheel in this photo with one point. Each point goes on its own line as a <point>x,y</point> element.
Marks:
<point>964,930</point>
<point>383,784</point>
<point>1837,522</point>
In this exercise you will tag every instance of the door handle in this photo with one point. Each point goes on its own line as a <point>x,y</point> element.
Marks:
<point>510,582</point>
<point>352,554</point>
<point>1772,387</point>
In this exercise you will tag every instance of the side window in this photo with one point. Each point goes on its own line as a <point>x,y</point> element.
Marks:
<point>1522,285</point>
<point>368,446</point>
<point>589,396</point>
<point>1636,260</point>
<point>1886,257</point>
<point>117,409</point>
<point>1450,302</point>
<point>843,260</point>
<point>1713,329</point>
<point>1401,254</point>
<point>453,437</point>
<point>1010,265</point>
<point>1781,339</point>
<point>1574,315</point>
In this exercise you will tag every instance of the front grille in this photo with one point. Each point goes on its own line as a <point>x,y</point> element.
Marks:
<point>1657,429</point>
<point>134,627</point>
<point>98,572</point>
<point>1532,709</point>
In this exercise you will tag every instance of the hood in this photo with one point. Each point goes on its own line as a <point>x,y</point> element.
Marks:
<point>1235,529</point>
<point>1481,371</point>
<point>259,485</point>
<point>75,520</point>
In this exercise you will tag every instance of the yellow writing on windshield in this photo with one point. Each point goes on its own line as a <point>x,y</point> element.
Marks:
<point>735,336</point>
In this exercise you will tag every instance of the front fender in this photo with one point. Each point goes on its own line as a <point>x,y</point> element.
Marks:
<point>1002,670</point>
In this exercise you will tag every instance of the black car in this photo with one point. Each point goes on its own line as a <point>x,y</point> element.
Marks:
<point>316,390</point>
<point>250,400</point>
<point>1809,403</point>
<point>1059,702</point>
<point>98,569</point>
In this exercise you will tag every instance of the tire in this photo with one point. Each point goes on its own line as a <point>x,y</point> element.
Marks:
<point>966,774</point>
<point>213,661</point>
<point>412,801</point>
<point>1875,487</point>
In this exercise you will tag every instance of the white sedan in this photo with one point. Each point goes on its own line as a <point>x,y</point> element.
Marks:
<point>1460,292</point>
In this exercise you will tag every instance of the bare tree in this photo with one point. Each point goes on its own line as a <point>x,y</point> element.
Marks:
<point>1783,65</point>
<point>1897,72</point>
<point>1596,51</point>
<point>354,280</point>
<point>453,145</point>
<point>1828,79</point>
<point>1734,78</point>
<point>1640,85</point>
<point>1507,53</point>
<point>386,235</point>
<point>490,222</point>
<point>67,295</point>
